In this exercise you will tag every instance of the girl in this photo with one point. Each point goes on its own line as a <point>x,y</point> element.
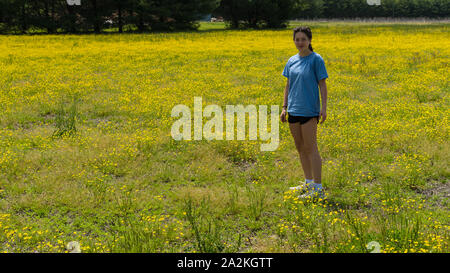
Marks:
<point>306,72</point>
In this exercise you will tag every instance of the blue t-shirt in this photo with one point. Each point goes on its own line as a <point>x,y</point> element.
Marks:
<point>304,74</point>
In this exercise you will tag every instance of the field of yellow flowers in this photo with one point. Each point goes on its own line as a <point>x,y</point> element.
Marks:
<point>86,153</point>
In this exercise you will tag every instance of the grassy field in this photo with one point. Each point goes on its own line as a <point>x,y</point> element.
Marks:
<point>86,153</point>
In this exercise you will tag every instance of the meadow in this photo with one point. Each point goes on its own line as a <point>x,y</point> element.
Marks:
<point>86,152</point>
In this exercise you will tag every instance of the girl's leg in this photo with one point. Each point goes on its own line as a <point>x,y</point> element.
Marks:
<point>309,134</point>
<point>305,161</point>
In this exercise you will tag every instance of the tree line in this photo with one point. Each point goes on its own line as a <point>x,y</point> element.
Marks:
<point>59,16</point>
<point>95,15</point>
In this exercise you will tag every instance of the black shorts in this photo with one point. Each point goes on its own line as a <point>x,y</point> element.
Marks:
<point>302,120</point>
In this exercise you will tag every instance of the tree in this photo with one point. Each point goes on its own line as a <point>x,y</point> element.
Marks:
<point>308,8</point>
<point>120,6</point>
<point>256,13</point>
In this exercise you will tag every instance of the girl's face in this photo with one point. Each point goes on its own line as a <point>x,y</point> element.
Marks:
<point>301,41</point>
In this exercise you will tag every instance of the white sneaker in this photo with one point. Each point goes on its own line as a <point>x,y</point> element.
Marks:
<point>302,187</point>
<point>313,194</point>
<point>297,188</point>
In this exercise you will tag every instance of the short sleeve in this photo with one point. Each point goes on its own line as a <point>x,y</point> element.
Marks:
<point>286,70</point>
<point>320,70</point>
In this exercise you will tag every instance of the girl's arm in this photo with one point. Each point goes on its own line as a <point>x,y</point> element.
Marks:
<point>323,93</point>
<point>286,92</point>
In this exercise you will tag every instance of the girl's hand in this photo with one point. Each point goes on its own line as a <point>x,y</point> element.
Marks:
<point>323,114</point>
<point>283,116</point>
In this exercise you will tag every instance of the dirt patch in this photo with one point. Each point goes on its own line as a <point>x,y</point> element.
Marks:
<point>438,192</point>
<point>244,165</point>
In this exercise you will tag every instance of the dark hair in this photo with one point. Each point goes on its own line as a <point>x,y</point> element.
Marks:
<point>305,30</point>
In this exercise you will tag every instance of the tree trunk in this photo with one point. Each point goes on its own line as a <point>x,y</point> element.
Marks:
<point>96,19</point>
<point>49,18</point>
<point>53,17</point>
<point>141,23</point>
<point>72,18</point>
<point>24,18</point>
<point>120,18</point>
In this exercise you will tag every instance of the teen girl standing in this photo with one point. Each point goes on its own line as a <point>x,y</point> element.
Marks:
<point>306,72</point>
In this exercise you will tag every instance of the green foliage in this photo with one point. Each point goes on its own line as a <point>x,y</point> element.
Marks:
<point>256,14</point>
<point>209,232</point>
<point>65,120</point>
<point>95,15</point>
